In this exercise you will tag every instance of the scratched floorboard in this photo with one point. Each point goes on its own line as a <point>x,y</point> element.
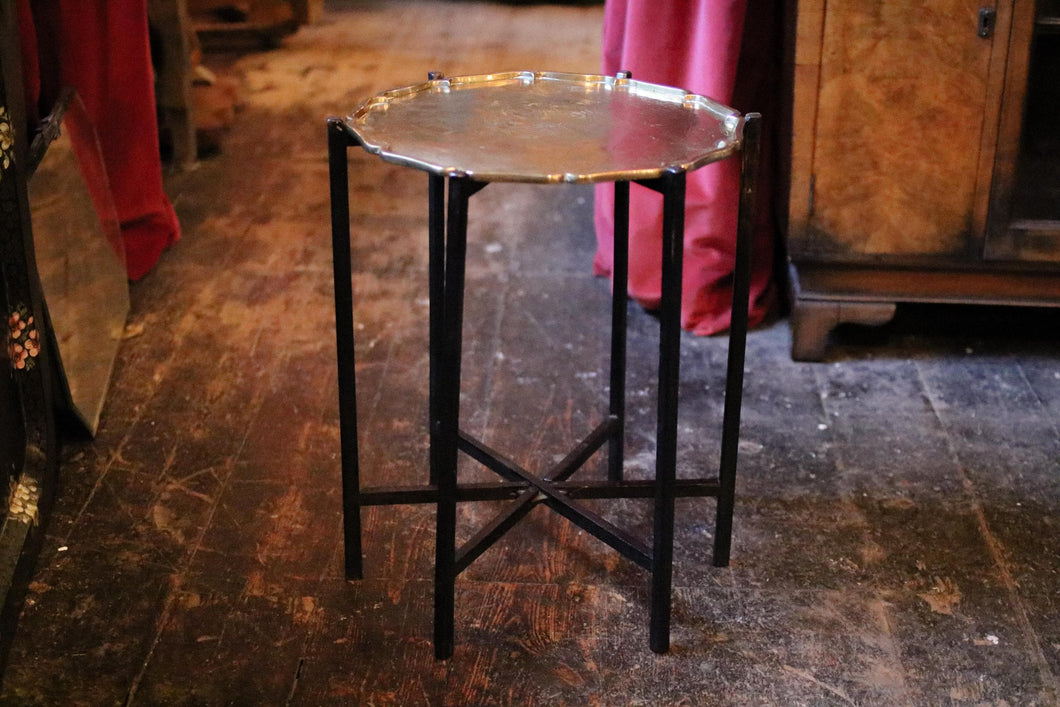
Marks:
<point>898,504</point>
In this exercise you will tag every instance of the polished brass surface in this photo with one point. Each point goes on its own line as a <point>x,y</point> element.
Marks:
<point>545,127</point>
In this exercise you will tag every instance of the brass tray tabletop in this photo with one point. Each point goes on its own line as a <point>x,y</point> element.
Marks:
<point>545,127</point>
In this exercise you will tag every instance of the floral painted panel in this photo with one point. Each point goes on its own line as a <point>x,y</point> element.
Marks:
<point>23,340</point>
<point>7,141</point>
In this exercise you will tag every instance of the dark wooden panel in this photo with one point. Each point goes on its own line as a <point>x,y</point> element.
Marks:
<point>26,356</point>
<point>898,123</point>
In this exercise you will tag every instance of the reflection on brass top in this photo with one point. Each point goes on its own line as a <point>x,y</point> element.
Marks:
<point>546,127</point>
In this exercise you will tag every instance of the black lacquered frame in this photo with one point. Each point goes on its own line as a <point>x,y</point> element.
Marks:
<point>28,446</point>
<point>447,226</point>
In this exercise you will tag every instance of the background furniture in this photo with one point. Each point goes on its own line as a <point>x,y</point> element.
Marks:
<point>27,432</point>
<point>64,290</point>
<point>174,63</point>
<point>924,160</point>
<point>223,24</point>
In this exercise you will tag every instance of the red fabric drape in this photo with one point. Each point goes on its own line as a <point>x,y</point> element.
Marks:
<point>102,49</point>
<point>694,45</point>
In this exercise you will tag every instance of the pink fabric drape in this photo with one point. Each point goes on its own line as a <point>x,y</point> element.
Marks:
<point>101,48</point>
<point>695,45</point>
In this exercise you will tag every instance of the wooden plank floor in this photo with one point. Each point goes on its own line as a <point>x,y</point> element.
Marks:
<point>896,537</point>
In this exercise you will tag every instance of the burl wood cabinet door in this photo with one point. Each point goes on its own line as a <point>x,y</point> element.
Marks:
<point>892,113</point>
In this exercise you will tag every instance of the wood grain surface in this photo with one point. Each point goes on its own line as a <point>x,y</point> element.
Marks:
<point>899,116</point>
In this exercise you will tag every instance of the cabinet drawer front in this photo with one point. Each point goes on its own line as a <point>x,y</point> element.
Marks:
<point>898,115</point>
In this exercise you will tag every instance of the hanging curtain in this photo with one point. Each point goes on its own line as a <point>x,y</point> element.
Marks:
<point>694,45</point>
<point>101,48</point>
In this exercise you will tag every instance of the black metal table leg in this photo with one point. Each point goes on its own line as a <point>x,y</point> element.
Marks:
<point>619,286</point>
<point>673,188</point>
<point>436,288</point>
<point>741,289</point>
<point>338,142</point>
<point>460,191</point>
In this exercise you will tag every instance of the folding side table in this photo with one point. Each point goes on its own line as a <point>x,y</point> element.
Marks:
<point>544,128</point>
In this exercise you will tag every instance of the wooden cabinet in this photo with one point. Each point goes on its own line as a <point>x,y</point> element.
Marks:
<point>917,172</point>
<point>1024,220</point>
